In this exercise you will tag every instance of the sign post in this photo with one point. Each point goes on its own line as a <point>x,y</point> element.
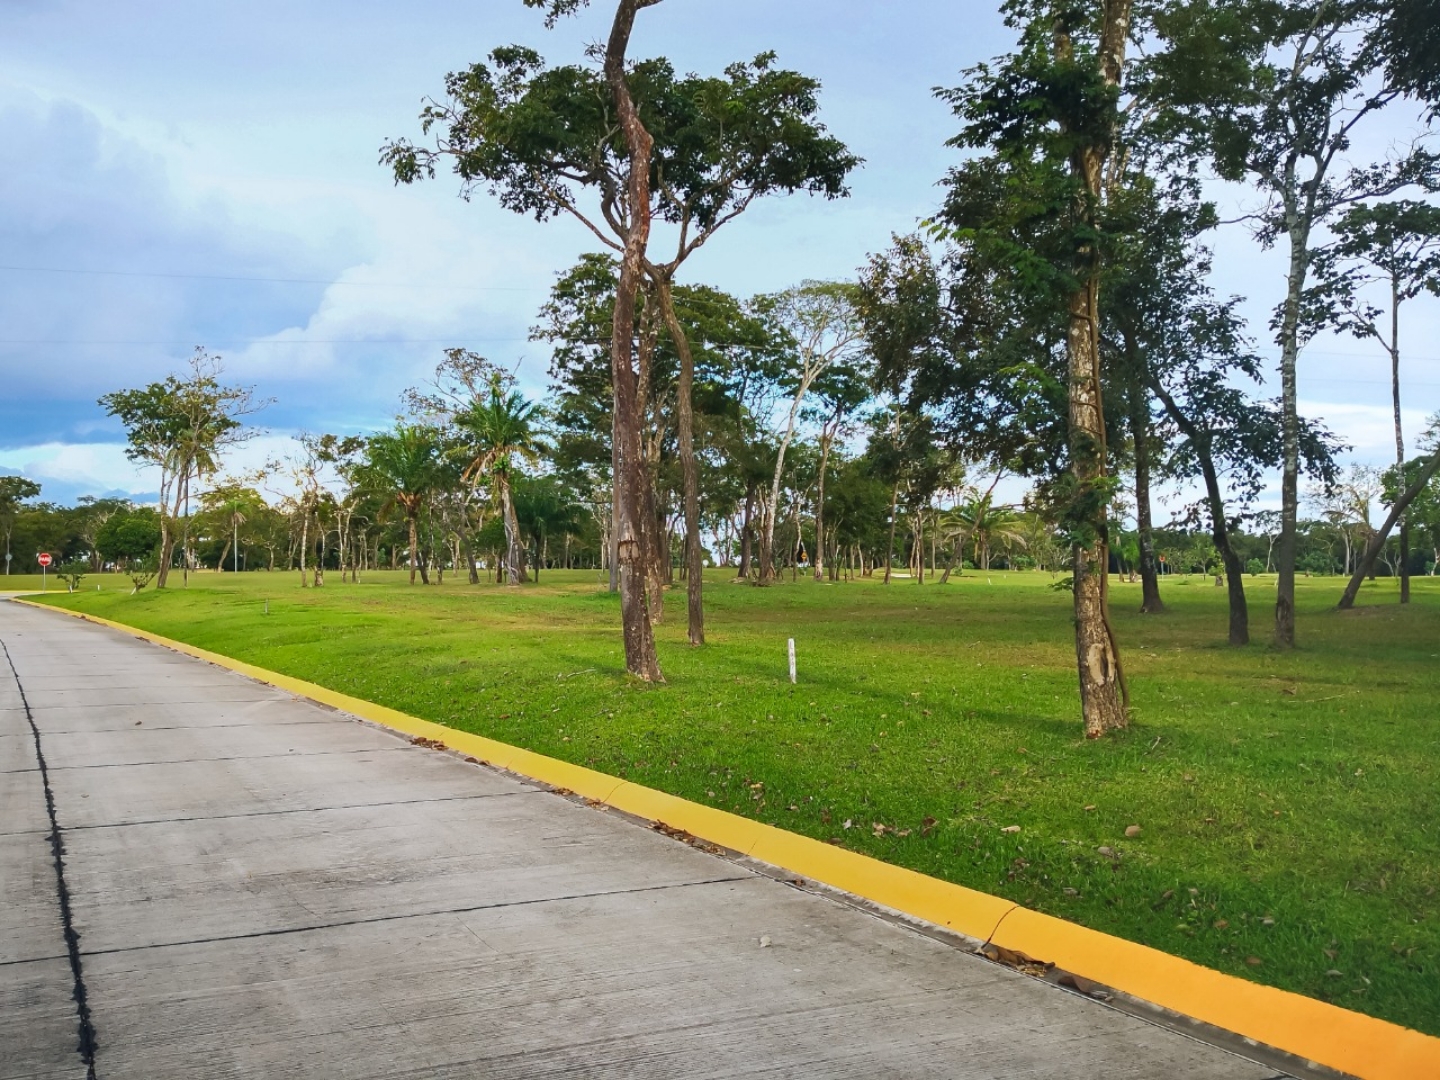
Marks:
<point>44,560</point>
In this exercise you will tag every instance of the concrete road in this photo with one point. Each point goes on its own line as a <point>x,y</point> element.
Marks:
<point>255,886</point>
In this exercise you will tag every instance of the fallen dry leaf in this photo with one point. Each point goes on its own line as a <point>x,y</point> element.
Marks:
<point>1011,829</point>
<point>1015,958</point>
<point>1132,831</point>
<point>927,826</point>
<point>1254,961</point>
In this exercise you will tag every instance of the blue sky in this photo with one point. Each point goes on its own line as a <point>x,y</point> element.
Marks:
<point>181,174</point>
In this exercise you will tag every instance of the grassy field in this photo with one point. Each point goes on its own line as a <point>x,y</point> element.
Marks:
<point>1287,803</point>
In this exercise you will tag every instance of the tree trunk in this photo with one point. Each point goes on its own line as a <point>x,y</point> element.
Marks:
<point>304,544</point>
<point>640,658</point>
<point>1103,697</point>
<point>694,563</point>
<point>1150,602</point>
<point>767,545</point>
<point>1377,541</point>
<point>1299,234</point>
<point>746,533</point>
<point>414,546</point>
<point>167,549</point>
<point>890,547</point>
<point>1219,526</point>
<point>220,565</point>
<point>1399,435</point>
<point>514,549</point>
<point>827,436</point>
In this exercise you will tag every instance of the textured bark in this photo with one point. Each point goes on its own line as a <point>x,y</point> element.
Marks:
<point>514,549</point>
<point>1102,691</point>
<point>1399,436</point>
<point>1150,602</point>
<point>414,546</point>
<point>746,534</point>
<point>827,438</point>
<point>694,568</point>
<point>630,477</point>
<point>1103,697</point>
<point>890,547</point>
<point>305,546</point>
<point>1377,540</point>
<point>652,526</point>
<point>1298,229</point>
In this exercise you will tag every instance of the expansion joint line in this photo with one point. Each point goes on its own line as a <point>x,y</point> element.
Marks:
<point>86,1044</point>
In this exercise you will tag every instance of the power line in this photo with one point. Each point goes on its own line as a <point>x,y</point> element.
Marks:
<point>276,280</point>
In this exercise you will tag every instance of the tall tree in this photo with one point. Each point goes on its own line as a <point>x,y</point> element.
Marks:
<point>539,138</point>
<point>498,428</point>
<point>1418,476</point>
<point>1274,93</point>
<point>1049,114</point>
<point>840,392</point>
<point>181,426</point>
<point>404,465</point>
<point>823,322</point>
<point>1395,246</point>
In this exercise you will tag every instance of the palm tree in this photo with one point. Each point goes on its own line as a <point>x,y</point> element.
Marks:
<point>500,427</point>
<point>405,465</point>
<point>987,526</point>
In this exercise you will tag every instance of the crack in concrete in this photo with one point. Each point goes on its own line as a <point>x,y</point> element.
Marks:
<point>285,931</point>
<point>86,1044</point>
<point>297,810</point>
<point>233,757</point>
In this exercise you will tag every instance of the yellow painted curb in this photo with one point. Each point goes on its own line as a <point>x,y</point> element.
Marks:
<point>1351,1042</point>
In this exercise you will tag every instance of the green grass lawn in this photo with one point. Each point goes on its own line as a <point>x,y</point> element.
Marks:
<point>1286,801</point>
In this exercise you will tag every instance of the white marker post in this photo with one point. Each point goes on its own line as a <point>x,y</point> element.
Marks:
<point>792,659</point>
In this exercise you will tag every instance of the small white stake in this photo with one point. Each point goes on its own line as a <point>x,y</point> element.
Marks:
<point>267,607</point>
<point>792,659</point>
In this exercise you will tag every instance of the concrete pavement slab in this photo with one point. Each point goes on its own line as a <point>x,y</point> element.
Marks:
<point>200,879</point>
<point>22,797</point>
<point>37,1022</point>
<point>30,926</point>
<point>127,794</point>
<point>141,744</point>
<point>160,692</point>
<point>205,714</point>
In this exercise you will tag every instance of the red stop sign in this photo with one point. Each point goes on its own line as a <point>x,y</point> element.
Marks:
<point>44,558</point>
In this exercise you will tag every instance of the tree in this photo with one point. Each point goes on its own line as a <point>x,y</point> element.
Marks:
<point>707,148</point>
<point>1174,340</point>
<point>1274,94</point>
<point>986,527</point>
<point>531,135</point>
<point>181,426</point>
<point>404,464</point>
<point>14,490</point>
<point>1048,114</point>
<point>841,390</point>
<point>1395,245</point>
<point>130,536</point>
<point>822,320</point>
<point>498,428</point>
<point>1419,477</point>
